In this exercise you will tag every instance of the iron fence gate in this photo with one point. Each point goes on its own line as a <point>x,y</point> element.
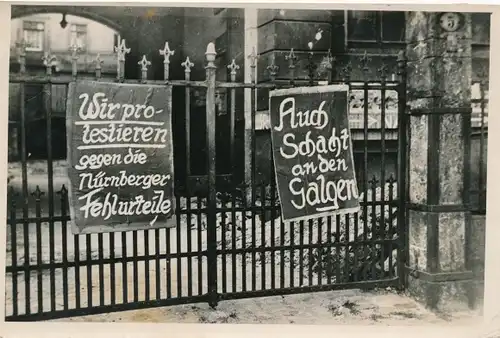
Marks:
<point>229,241</point>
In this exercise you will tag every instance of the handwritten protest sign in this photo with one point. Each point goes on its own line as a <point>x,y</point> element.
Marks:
<point>120,156</point>
<point>312,151</point>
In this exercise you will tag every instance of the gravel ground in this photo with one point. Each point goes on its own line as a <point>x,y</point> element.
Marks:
<point>350,307</point>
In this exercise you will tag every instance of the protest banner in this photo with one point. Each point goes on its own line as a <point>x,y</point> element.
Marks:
<point>120,156</point>
<point>312,151</point>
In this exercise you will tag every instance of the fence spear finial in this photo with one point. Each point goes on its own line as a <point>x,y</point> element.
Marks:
<point>121,50</point>
<point>187,65</point>
<point>144,63</point>
<point>166,52</point>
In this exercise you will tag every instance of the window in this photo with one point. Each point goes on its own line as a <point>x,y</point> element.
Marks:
<point>481,23</point>
<point>375,27</point>
<point>33,33</point>
<point>79,36</point>
<point>362,26</point>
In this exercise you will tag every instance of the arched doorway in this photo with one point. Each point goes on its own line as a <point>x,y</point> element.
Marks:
<point>80,11</point>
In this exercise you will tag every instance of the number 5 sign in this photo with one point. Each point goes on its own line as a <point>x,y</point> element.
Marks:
<point>451,22</point>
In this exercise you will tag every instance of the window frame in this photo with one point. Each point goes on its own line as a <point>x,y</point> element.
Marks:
<point>76,28</point>
<point>40,31</point>
<point>379,30</point>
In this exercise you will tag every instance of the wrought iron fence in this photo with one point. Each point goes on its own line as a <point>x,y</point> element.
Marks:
<point>229,241</point>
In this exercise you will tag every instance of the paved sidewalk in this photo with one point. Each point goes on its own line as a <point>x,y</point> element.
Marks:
<point>351,307</point>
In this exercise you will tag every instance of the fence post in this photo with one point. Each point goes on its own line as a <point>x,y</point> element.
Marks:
<point>211,181</point>
<point>402,172</point>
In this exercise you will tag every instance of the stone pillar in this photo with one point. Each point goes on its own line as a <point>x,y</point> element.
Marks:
<point>439,107</point>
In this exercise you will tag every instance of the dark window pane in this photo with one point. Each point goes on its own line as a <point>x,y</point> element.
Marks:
<point>393,26</point>
<point>33,101</point>
<point>481,28</point>
<point>362,25</point>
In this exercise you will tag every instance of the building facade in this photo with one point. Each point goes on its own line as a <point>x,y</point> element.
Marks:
<point>54,38</point>
<point>361,43</point>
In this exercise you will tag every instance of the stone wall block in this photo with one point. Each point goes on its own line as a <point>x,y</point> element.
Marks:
<point>455,46</point>
<point>420,103</point>
<point>418,161</point>
<point>421,76</point>
<point>420,26</point>
<point>418,240</point>
<point>284,35</point>
<point>451,159</point>
<point>266,15</point>
<point>451,241</point>
<point>477,242</point>
<point>456,83</point>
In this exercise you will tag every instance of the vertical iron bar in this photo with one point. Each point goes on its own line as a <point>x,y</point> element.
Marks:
<point>382,177</point>
<point>301,253</point>
<point>329,251</point>
<point>169,256</point>
<point>357,246</point>
<point>89,261</point>
<point>232,127</point>
<point>25,198</point>
<point>38,214</point>
<point>78,291</point>
<point>338,249</point>
<point>402,169</point>
<point>320,251</point>
<point>188,125</point>
<point>390,230</point>
<point>310,253</point>
<point>292,253</point>
<point>244,242</point>
<point>348,246</point>
<point>373,203</point>
<point>253,191</point>
<point>234,265</point>
<point>157,264</point>
<point>50,194</point>
<point>365,174</point>
<point>13,227</point>
<point>232,134</point>
<point>200,249</point>
<point>64,231</point>
<point>273,225</point>
<point>124,268</point>
<point>263,236</point>
<point>146,264</point>
<point>253,106</point>
<point>481,179</point>
<point>112,267</point>
<point>223,230</point>
<point>100,248</point>
<point>135,267</point>
<point>178,250</point>
<point>282,255</point>
<point>166,52</point>
<point>211,165</point>
<point>254,263</point>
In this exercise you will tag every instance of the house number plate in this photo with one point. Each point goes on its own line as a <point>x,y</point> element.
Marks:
<point>450,22</point>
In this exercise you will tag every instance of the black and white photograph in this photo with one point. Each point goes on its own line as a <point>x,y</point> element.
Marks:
<point>246,165</point>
